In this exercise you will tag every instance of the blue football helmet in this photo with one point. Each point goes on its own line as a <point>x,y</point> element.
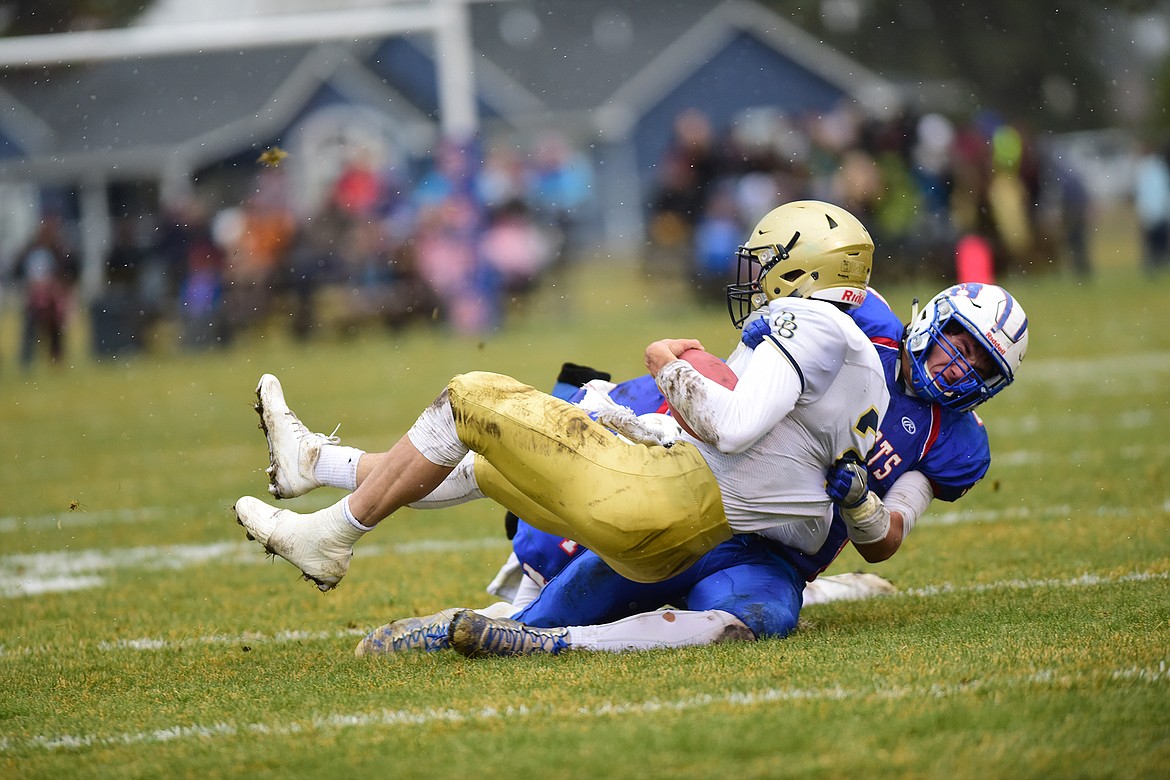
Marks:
<point>997,323</point>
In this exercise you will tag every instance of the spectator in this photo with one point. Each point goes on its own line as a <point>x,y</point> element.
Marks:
<point>358,191</point>
<point>201,294</point>
<point>515,250</point>
<point>688,167</point>
<point>445,247</point>
<point>1072,206</point>
<point>311,259</point>
<point>1152,204</point>
<point>1008,196</point>
<point>717,236</point>
<point>256,238</point>
<point>558,191</point>
<point>446,240</point>
<point>116,316</point>
<point>48,270</point>
<point>502,177</point>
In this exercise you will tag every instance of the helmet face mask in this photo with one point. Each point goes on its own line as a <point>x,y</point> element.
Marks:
<point>804,249</point>
<point>745,296</point>
<point>988,317</point>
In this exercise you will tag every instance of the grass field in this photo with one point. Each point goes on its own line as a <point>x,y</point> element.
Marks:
<point>144,637</point>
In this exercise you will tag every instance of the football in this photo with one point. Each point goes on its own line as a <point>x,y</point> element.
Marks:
<point>711,367</point>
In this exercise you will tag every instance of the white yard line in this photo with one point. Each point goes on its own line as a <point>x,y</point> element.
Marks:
<point>31,574</point>
<point>1055,679</point>
<point>150,644</point>
<point>1084,580</point>
<point>1098,370</point>
<point>82,517</point>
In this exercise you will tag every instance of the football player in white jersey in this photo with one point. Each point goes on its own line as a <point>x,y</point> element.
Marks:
<point>812,393</point>
<point>962,349</point>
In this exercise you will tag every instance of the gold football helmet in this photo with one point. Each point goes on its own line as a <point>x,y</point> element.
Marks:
<point>803,249</point>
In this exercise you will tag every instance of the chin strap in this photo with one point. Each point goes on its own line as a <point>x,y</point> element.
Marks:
<point>904,352</point>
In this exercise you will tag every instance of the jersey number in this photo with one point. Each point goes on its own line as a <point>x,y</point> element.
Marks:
<point>882,451</point>
<point>867,424</point>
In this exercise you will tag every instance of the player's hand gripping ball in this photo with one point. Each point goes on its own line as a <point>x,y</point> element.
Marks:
<point>711,367</point>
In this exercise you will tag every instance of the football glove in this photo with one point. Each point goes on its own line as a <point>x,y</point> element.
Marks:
<point>596,395</point>
<point>847,483</point>
<point>755,331</point>
<point>647,429</point>
<point>866,518</point>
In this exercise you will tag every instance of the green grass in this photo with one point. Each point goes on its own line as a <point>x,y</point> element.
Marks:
<point>1030,639</point>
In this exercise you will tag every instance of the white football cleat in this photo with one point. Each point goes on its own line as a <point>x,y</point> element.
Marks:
<point>293,450</point>
<point>320,544</point>
<point>849,586</point>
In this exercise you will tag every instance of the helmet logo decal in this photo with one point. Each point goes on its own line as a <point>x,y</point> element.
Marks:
<point>1009,305</point>
<point>1019,331</point>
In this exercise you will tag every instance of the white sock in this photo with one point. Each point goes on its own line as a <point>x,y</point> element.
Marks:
<point>353,520</point>
<point>526,593</point>
<point>664,628</point>
<point>337,466</point>
<point>501,609</point>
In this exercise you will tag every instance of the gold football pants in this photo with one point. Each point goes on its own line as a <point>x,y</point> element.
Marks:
<point>648,511</point>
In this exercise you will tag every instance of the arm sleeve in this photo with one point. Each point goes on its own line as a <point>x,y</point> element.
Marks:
<point>800,363</point>
<point>739,358</point>
<point>732,420</point>
<point>910,495</point>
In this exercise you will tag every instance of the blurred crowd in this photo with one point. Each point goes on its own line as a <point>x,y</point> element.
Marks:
<point>459,245</point>
<point>463,241</point>
<point>941,198</point>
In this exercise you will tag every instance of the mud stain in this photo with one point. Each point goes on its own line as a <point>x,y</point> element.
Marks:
<point>687,392</point>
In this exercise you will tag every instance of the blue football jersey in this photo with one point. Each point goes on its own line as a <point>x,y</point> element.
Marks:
<point>949,448</point>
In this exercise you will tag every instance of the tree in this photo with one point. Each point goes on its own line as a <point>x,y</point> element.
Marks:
<point>30,17</point>
<point>1029,61</point>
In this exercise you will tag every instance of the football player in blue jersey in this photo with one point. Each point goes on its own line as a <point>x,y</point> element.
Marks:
<point>964,347</point>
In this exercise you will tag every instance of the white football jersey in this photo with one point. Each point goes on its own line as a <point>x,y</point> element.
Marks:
<point>811,392</point>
